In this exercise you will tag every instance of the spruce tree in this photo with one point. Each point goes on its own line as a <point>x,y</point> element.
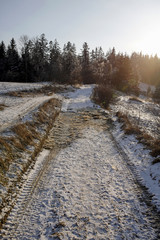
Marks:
<point>86,70</point>
<point>2,61</point>
<point>55,61</point>
<point>69,61</point>
<point>13,62</point>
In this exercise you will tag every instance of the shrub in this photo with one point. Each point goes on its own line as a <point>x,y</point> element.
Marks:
<point>102,94</point>
<point>156,94</point>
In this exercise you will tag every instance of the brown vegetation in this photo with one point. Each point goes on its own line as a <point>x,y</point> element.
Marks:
<point>143,137</point>
<point>47,90</point>
<point>102,95</point>
<point>135,99</point>
<point>24,142</point>
<point>156,160</point>
<point>2,106</point>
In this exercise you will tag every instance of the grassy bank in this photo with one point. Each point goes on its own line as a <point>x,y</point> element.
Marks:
<point>19,147</point>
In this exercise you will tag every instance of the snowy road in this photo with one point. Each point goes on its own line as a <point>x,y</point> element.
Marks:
<point>83,189</point>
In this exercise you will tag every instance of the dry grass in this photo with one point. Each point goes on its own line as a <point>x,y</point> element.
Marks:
<point>16,143</point>
<point>14,94</point>
<point>127,126</point>
<point>23,133</point>
<point>4,146</point>
<point>155,148</point>
<point>143,137</point>
<point>135,99</point>
<point>156,160</point>
<point>46,113</point>
<point>47,90</point>
<point>2,106</point>
<point>3,166</point>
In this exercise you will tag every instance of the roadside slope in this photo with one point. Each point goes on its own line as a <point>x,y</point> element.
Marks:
<point>25,124</point>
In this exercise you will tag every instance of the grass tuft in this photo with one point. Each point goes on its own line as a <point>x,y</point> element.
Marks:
<point>23,133</point>
<point>135,99</point>
<point>156,160</point>
<point>2,106</point>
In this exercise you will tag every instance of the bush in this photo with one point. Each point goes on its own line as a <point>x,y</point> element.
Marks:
<point>156,94</point>
<point>102,95</point>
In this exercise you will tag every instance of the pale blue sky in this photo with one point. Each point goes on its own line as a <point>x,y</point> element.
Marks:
<point>127,25</point>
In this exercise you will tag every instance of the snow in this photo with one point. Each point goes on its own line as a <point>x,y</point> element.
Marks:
<point>85,193</point>
<point>144,113</point>
<point>6,87</point>
<point>141,159</point>
<point>88,183</point>
<point>147,114</point>
<point>19,108</point>
<point>79,99</point>
<point>75,177</point>
<point>144,87</point>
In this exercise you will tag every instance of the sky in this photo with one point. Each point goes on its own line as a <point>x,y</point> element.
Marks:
<point>128,25</point>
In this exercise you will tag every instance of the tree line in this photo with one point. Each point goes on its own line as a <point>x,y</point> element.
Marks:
<point>40,60</point>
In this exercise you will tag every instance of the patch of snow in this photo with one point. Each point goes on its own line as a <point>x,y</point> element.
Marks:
<point>144,87</point>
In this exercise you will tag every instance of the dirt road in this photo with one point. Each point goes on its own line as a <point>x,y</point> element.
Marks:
<point>81,187</point>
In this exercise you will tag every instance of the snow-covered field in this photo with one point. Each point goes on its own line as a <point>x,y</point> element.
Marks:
<point>19,108</point>
<point>6,87</point>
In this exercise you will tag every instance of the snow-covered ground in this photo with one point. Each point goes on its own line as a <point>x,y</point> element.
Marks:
<point>144,87</point>
<point>87,191</point>
<point>143,112</point>
<point>6,87</point>
<point>146,114</point>
<point>139,157</point>
<point>79,99</point>
<point>84,196</point>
